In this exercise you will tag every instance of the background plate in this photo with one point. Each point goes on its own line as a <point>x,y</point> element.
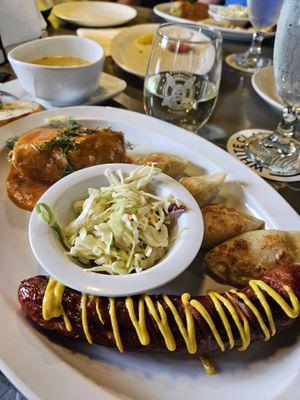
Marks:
<point>264,85</point>
<point>46,368</point>
<point>163,11</point>
<point>94,13</point>
<point>125,52</point>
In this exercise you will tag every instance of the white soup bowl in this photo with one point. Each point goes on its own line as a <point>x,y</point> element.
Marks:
<point>58,85</point>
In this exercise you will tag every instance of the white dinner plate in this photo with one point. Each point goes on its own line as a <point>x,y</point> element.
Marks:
<point>240,35</point>
<point>264,85</point>
<point>127,54</point>
<point>46,368</point>
<point>94,13</point>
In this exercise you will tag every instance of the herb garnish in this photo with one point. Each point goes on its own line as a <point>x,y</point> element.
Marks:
<point>65,140</point>
<point>10,143</point>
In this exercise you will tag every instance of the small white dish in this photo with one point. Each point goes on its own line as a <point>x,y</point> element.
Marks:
<point>51,255</point>
<point>94,13</point>
<point>264,84</point>
<point>108,86</point>
<point>213,12</point>
<point>125,52</point>
<point>59,85</point>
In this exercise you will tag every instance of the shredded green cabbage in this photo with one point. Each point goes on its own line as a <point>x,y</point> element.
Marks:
<point>120,228</point>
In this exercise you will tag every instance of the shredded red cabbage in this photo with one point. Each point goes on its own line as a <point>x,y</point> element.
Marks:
<point>174,209</point>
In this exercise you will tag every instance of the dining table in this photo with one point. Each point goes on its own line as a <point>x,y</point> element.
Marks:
<point>238,107</point>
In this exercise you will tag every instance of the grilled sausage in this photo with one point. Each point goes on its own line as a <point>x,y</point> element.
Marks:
<point>31,293</point>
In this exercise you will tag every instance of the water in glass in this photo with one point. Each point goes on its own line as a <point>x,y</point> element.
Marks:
<point>183,76</point>
<point>264,13</point>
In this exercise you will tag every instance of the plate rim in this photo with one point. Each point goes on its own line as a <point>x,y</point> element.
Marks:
<point>155,125</point>
<point>261,93</point>
<point>78,21</point>
<point>122,85</point>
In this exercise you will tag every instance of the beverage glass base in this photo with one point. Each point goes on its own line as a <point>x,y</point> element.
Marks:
<point>242,62</point>
<point>278,154</point>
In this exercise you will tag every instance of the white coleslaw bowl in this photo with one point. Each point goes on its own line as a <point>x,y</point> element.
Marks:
<point>50,253</point>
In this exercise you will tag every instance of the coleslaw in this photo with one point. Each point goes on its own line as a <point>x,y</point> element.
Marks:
<point>120,228</point>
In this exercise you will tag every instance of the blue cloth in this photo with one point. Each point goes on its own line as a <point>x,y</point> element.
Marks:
<point>241,2</point>
<point>7,391</point>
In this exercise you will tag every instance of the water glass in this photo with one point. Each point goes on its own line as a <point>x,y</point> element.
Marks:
<point>263,15</point>
<point>183,75</point>
<point>279,151</point>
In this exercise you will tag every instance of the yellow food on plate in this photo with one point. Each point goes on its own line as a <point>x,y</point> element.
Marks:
<point>204,188</point>
<point>146,39</point>
<point>143,43</point>
<point>222,223</point>
<point>169,164</point>
<point>252,254</point>
<point>60,61</point>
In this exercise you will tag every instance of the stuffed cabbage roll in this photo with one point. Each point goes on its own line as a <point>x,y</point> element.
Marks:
<point>168,163</point>
<point>204,188</point>
<point>252,254</point>
<point>222,223</point>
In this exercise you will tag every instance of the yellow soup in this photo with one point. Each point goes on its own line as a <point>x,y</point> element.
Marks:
<point>61,61</point>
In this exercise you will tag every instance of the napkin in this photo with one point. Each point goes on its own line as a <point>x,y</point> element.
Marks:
<point>102,36</point>
<point>20,21</point>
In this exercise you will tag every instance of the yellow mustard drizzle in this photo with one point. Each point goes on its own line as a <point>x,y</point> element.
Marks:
<point>52,303</point>
<point>292,312</point>
<point>188,333</point>
<point>52,307</point>
<point>244,330</point>
<point>207,365</point>
<point>84,319</point>
<point>98,310</point>
<point>161,322</point>
<point>254,311</point>
<point>139,324</point>
<point>202,311</point>
<point>246,334</point>
<point>114,324</point>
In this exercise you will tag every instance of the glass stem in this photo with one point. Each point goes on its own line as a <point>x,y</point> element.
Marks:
<point>254,52</point>
<point>286,127</point>
<point>280,138</point>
